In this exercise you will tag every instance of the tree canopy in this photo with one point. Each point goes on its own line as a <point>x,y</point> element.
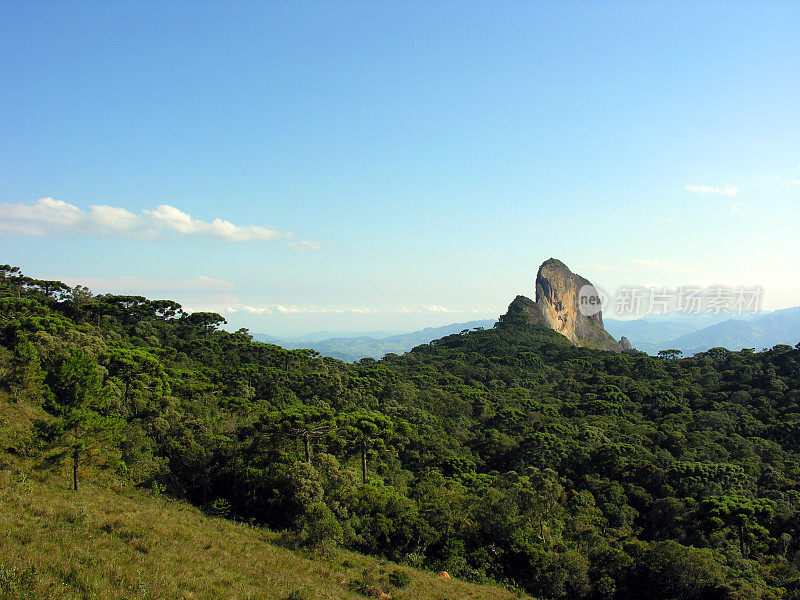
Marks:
<point>504,454</point>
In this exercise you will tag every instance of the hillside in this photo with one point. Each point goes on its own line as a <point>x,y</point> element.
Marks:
<point>507,455</point>
<point>698,333</point>
<point>779,327</point>
<point>130,544</point>
<point>352,348</point>
<point>653,333</point>
<point>688,333</point>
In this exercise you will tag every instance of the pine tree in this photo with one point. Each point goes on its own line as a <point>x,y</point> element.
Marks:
<point>84,427</point>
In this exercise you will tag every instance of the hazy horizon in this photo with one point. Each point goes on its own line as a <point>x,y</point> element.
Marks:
<point>363,166</point>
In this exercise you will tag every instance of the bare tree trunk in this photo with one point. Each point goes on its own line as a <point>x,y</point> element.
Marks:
<point>742,547</point>
<point>307,445</point>
<point>75,469</point>
<point>363,461</point>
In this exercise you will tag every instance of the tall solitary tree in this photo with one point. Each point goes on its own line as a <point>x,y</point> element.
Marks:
<point>366,432</point>
<point>307,423</point>
<point>84,427</point>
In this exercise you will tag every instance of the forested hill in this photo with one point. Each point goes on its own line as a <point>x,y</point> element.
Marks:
<point>503,455</point>
<point>353,348</point>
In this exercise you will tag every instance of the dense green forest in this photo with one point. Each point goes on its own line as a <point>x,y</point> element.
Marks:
<point>501,455</point>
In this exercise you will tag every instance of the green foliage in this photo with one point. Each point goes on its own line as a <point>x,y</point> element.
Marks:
<point>503,454</point>
<point>319,526</point>
<point>670,570</point>
<point>399,579</point>
<point>84,425</point>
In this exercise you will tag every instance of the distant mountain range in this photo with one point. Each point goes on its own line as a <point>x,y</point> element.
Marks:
<point>688,333</point>
<point>373,344</point>
<point>696,333</point>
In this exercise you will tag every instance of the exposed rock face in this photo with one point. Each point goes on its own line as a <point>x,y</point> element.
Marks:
<point>560,294</point>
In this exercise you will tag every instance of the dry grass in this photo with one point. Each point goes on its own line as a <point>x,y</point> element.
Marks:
<point>115,544</point>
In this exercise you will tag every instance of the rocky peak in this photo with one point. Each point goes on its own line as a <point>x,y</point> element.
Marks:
<point>559,295</point>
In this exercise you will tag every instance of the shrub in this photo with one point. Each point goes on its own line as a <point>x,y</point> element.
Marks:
<point>218,508</point>
<point>399,579</point>
<point>321,527</point>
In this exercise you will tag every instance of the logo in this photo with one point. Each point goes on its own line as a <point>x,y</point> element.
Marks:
<point>591,300</point>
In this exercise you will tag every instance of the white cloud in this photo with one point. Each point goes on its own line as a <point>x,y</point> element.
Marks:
<point>436,308</point>
<point>727,190</point>
<point>292,309</point>
<point>113,218</point>
<point>287,309</point>
<point>782,181</point>
<point>304,245</point>
<point>662,265</point>
<point>253,310</point>
<point>35,219</point>
<point>136,284</point>
<point>49,217</point>
<point>170,217</point>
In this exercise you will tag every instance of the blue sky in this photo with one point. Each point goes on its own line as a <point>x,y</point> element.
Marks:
<point>379,165</point>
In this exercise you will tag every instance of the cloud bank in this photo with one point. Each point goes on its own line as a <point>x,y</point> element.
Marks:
<point>55,218</point>
<point>125,284</point>
<point>727,190</point>
<point>227,308</point>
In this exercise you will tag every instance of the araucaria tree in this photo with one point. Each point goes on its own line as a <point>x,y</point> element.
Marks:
<point>307,423</point>
<point>84,427</point>
<point>365,431</point>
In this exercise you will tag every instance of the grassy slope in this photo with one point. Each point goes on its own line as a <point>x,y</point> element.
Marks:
<point>112,544</point>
